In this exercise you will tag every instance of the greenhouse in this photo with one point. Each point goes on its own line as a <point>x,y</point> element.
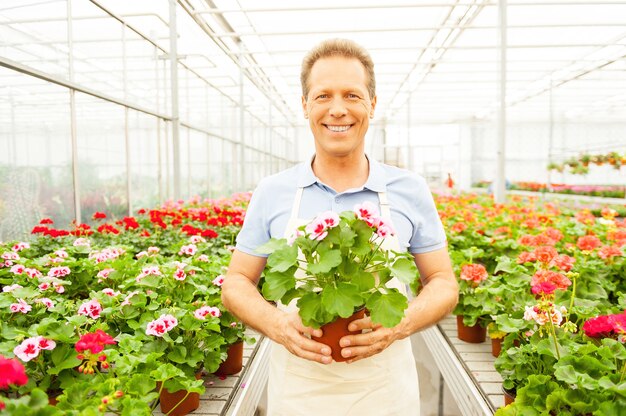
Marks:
<point>193,192</point>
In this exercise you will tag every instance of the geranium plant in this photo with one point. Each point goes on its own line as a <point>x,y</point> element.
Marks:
<point>345,268</point>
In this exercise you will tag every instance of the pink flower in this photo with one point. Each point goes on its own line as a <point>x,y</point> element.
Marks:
<point>141,254</point>
<point>10,256</point>
<point>28,349</point>
<point>45,344</point>
<point>203,258</point>
<point>474,272</point>
<point>59,271</point>
<point>11,288</point>
<point>545,254</point>
<point>564,262</point>
<point>147,271</point>
<point>11,372</point>
<point>542,317</point>
<point>153,250</point>
<point>128,297</point>
<point>316,230</point>
<point>104,274</point>
<point>606,252</point>
<point>188,250</point>
<point>46,302</point>
<point>20,306</point>
<point>546,288</point>
<point>61,253</point>
<point>526,257</point>
<point>219,280</point>
<point>161,325</point>
<point>207,310</point>
<point>18,269</point>
<point>367,212</point>
<point>110,292</point>
<point>385,228</point>
<point>58,287</point>
<point>196,239</point>
<point>84,242</point>
<point>180,274</point>
<point>44,286</point>
<point>560,281</point>
<point>588,242</point>
<point>20,246</point>
<point>91,309</point>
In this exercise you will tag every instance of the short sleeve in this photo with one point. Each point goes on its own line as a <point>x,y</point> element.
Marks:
<point>428,232</point>
<point>255,230</point>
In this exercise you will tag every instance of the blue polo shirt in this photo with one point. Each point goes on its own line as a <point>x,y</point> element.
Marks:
<point>413,212</point>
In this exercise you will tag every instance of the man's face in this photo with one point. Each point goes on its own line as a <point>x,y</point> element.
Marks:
<point>338,106</point>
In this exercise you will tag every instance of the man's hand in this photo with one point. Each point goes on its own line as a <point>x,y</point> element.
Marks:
<point>357,347</point>
<point>291,333</point>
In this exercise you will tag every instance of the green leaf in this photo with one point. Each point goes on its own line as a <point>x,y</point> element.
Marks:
<point>363,280</point>
<point>283,259</point>
<point>165,372</point>
<point>312,311</point>
<point>278,283</point>
<point>341,299</point>
<point>387,309</point>
<point>140,385</point>
<point>178,354</point>
<point>327,261</point>
<point>272,245</point>
<point>507,324</point>
<point>63,356</point>
<point>404,269</point>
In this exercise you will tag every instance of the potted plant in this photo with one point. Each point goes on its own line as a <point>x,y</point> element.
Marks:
<point>345,270</point>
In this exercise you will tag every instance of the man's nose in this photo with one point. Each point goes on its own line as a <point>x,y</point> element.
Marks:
<point>337,108</point>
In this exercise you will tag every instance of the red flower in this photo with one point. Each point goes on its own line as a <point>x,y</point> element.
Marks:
<point>145,233</point>
<point>605,325</point>
<point>459,227</point>
<point>46,221</point>
<point>545,254</point>
<point>564,262</point>
<point>544,288</point>
<point>588,243</point>
<point>608,252</point>
<point>94,342</point>
<point>526,257</point>
<point>474,272</point>
<point>560,281</point>
<point>208,233</point>
<point>99,215</point>
<point>108,229</point>
<point>11,372</point>
<point>39,229</point>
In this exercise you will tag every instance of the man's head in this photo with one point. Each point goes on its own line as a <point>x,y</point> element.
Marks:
<point>338,47</point>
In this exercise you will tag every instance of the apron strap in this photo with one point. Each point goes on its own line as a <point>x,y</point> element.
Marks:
<point>384,205</point>
<point>296,204</point>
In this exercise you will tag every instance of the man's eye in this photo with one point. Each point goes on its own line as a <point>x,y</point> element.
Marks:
<point>353,96</point>
<point>322,96</point>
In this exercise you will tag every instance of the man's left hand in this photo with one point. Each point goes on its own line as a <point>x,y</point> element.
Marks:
<point>357,347</point>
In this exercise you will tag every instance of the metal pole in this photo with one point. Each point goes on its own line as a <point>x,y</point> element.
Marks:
<point>157,89</point>
<point>73,135</point>
<point>270,166</point>
<point>240,167</point>
<point>409,151</point>
<point>551,136</point>
<point>174,86</point>
<point>126,138</point>
<point>500,177</point>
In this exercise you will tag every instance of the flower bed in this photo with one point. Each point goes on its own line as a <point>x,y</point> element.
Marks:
<point>100,316</point>
<point>548,274</point>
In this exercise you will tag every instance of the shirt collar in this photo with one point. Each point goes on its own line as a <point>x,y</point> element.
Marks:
<point>376,181</point>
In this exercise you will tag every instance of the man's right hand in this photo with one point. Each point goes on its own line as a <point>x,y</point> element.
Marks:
<point>292,334</point>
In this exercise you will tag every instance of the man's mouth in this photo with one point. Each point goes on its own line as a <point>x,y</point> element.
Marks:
<point>338,129</point>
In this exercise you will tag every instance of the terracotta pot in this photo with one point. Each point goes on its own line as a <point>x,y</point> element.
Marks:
<point>334,331</point>
<point>177,401</point>
<point>474,334</point>
<point>509,396</point>
<point>234,361</point>
<point>496,346</point>
<point>53,397</point>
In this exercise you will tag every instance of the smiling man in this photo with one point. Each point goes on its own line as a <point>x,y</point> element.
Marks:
<point>379,378</point>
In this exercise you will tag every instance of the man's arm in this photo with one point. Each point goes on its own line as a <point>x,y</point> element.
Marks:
<point>437,299</point>
<point>241,297</point>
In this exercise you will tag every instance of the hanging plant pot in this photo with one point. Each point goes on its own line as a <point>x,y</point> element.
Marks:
<point>179,403</point>
<point>509,396</point>
<point>234,360</point>
<point>496,346</point>
<point>334,331</point>
<point>474,334</point>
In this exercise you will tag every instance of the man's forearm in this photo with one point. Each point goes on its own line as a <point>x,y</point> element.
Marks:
<point>436,300</point>
<point>242,299</point>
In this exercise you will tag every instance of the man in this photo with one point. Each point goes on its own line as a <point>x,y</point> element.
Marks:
<point>338,86</point>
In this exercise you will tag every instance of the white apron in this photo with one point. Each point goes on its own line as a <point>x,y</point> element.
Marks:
<point>383,384</point>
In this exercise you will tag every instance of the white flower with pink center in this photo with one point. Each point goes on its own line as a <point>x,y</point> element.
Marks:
<point>48,303</point>
<point>292,238</point>
<point>367,212</point>
<point>44,343</point>
<point>106,254</point>
<point>58,287</point>
<point>11,288</point>
<point>91,309</point>
<point>59,271</point>
<point>9,255</point>
<point>20,246</point>
<point>148,271</point>
<point>542,317</point>
<point>61,253</point>
<point>128,297</point>
<point>153,250</point>
<point>317,229</point>
<point>104,273</point>
<point>141,254</point>
<point>219,280</point>
<point>43,286</point>
<point>385,228</point>
<point>32,273</point>
<point>27,350</point>
<point>110,292</point>
<point>197,239</point>
<point>203,258</point>
<point>180,264</point>
<point>81,242</point>
<point>188,250</point>
<point>207,310</point>
<point>21,306</point>
<point>161,325</point>
<point>18,269</point>
<point>180,274</point>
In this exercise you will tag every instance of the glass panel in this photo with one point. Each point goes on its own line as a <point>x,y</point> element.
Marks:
<point>144,160</point>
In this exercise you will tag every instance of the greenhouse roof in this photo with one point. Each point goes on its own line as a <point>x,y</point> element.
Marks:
<point>438,59</point>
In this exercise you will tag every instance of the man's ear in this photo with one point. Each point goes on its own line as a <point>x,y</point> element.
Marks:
<point>306,112</point>
<point>373,107</point>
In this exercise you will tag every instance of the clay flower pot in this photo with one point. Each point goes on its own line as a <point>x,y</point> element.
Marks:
<point>176,404</point>
<point>234,361</point>
<point>474,334</point>
<point>496,346</point>
<point>334,331</point>
<point>509,396</point>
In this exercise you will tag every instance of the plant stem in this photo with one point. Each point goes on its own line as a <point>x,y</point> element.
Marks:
<point>178,404</point>
<point>556,344</point>
<point>623,372</point>
<point>571,303</point>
